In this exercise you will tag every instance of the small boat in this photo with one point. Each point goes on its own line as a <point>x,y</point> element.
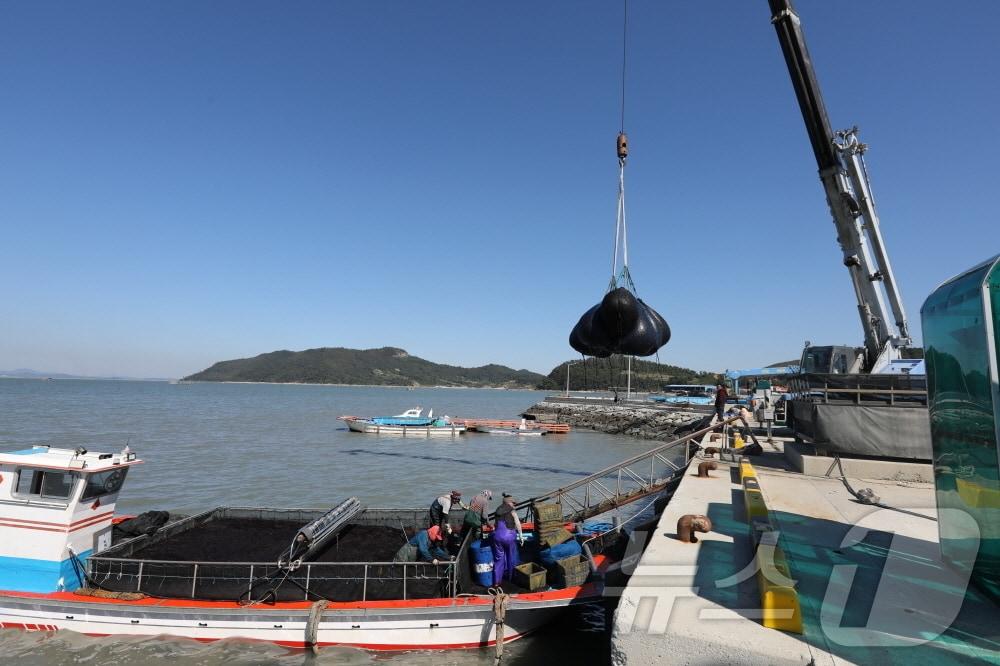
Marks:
<point>294,577</point>
<point>520,431</point>
<point>408,424</point>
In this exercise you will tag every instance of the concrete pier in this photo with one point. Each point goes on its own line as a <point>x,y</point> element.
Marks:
<point>870,581</point>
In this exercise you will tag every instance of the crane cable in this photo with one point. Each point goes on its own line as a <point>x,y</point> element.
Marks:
<point>621,230</point>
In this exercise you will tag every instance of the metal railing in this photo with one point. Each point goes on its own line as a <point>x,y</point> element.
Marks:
<point>311,578</point>
<point>626,481</point>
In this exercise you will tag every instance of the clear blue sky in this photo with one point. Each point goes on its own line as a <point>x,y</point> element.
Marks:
<point>185,182</point>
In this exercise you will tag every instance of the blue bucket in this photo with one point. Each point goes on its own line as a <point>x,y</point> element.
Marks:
<point>481,558</point>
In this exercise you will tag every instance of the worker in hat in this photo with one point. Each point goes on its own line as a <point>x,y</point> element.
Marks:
<point>425,546</point>
<point>507,528</point>
<point>442,506</point>
<point>476,515</point>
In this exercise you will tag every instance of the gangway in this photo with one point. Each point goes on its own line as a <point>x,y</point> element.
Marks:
<point>627,481</point>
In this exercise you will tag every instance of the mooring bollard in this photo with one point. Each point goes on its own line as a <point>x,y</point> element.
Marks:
<point>690,523</point>
<point>704,467</point>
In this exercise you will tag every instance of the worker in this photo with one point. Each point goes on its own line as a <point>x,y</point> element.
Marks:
<point>475,516</point>
<point>506,526</point>
<point>721,396</point>
<point>442,506</point>
<point>425,546</point>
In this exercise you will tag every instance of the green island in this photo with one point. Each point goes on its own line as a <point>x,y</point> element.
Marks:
<point>391,366</point>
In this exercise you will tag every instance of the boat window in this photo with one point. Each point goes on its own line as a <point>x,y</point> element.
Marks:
<point>104,483</point>
<point>48,484</point>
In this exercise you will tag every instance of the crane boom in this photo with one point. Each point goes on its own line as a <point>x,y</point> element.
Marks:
<point>840,158</point>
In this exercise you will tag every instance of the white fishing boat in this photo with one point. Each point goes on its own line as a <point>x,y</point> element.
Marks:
<point>521,430</point>
<point>295,577</point>
<point>410,423</point>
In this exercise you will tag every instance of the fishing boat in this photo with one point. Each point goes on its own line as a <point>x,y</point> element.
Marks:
<point>410,423</point>
<point>520,430</point>
<point>294,577</point>
<point>516,432</point>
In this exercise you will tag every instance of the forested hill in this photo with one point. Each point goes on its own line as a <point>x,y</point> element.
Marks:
<point>600,373</point>
<point>385,366</point>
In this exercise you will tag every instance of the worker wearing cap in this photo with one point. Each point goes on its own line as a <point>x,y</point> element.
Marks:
<point>442,506</point>
<point>507,528</point>
<point>425,546</point>
<point>475,517</point>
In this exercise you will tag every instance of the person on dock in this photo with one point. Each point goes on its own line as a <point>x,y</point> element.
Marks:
<point>442,506</point>
<point>721,396</point>
<point>506,526</point>
<point>476,515</point>
<point>425,546</point>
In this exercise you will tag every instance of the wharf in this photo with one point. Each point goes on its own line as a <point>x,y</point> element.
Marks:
<point>871,586</point>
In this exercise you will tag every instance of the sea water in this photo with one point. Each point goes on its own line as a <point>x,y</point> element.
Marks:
<point>206,445</point>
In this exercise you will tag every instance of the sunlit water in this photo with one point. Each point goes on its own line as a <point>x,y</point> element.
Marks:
<point>207,445</point>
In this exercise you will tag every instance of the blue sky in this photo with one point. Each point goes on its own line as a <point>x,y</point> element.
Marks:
<point>187,182</point>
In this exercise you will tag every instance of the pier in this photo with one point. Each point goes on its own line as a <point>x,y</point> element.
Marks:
<point>865,583</point>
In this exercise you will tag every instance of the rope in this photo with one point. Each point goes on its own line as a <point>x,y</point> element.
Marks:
<point>867,495</point>
<point>500,602</point>
<point>312,626</point>
<point>624,52</point>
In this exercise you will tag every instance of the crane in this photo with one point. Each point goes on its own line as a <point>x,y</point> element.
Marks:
<point>840,158</point>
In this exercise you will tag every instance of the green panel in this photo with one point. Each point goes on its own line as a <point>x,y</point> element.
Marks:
<point>960,321</point>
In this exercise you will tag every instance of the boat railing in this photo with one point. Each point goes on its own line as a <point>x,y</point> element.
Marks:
<point>628,480</point>
<point>336,581</point>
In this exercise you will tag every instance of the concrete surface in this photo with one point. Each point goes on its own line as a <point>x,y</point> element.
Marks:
<point>883,597</point>
<point>801,458</point>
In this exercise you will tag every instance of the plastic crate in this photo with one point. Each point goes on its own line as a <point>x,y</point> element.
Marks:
<point>548,512</point>
<point>556,537</point>
<point>572,571</point>
<point>530,576</point>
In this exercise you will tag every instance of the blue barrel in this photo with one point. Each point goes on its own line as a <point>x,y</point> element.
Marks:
<point>481,557</point>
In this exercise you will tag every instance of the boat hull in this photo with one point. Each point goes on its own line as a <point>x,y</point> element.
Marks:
<point>404,430</point>
<point>430,625</point>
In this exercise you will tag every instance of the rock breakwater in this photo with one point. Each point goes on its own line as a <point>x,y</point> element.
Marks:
<point>635,420</point>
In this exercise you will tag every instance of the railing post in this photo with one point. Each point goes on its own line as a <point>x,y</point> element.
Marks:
<point>308,577</point>
<point>194,580</point>
<point>364,589</point>
<point>250,585</point>
<point>404,580</point>
<point>138,583</point>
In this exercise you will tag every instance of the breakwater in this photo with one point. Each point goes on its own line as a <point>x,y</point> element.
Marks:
<point>641,420</point>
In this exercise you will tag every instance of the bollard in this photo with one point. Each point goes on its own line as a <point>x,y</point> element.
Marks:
<point>704,467</point>
<point>690,523</point>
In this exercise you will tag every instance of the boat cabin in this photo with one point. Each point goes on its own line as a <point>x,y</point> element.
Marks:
<point>56,509</point>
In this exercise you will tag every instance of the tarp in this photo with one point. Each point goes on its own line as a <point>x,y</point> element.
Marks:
<point>880,431</point>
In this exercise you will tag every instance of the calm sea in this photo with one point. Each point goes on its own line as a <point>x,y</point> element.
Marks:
<point>207,445</point>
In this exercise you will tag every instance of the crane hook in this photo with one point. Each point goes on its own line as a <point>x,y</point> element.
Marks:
<point>622,147</point>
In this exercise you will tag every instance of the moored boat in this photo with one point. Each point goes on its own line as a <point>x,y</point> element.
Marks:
<point>295,577</point>
<point>409,423</point>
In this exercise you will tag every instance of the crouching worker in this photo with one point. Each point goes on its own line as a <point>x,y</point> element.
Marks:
<point>442,506</point>
<point>425,546</point>
<point>476,515</point>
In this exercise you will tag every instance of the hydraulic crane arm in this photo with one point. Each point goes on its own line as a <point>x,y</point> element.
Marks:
<point>839,157</point>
